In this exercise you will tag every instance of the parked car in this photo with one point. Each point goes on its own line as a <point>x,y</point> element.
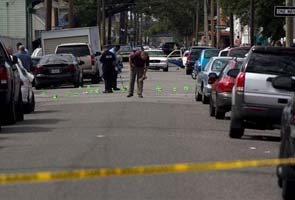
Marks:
<point>55,69</point>
<point>239,52</point>
<point>286,174</point>
<point>92,67</point>
<point>124,52</point>
<point>184,57</point>
<point>168,47</point>
<point>203,88</point>
<point>138,48</point>
<point>194,54</point>
<point>11,105</point>
<point>37,53</point>
<point>26,88</point>
<point>221,89</point>
<point>158,60</point>
<point>256,104</point>
<point>204,58</point>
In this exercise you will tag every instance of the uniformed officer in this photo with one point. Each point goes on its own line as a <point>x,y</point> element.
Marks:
<point>108,60</point>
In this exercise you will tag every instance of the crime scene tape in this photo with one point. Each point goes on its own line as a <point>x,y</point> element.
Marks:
<point>43,177</point>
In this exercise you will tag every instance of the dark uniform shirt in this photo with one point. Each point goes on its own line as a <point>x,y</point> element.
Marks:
<point>137,61</point>
<point>108,60</point>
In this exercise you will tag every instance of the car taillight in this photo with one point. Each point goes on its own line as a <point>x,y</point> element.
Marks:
<point>92,60</point>
<point>38,69</point>
<point>3,75</point>
<point>240,82</point>
<point>226,85</point>
<point>72,68</point>
<point>190,58</point>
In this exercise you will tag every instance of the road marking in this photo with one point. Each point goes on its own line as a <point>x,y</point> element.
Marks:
<point>46,177</point>
<point>100,136</point>
<point>252,148</point>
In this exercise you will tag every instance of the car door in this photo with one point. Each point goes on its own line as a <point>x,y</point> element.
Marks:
<point>175,59</point>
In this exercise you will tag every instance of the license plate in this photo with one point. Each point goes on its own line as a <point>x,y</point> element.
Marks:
<point>55,71</point>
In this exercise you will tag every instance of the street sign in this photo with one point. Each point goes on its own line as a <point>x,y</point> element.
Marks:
<point>220,26</point>
<point>284,11</point>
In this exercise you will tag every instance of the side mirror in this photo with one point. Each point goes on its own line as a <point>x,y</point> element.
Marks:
<point>284,82</point>
<point>14,60</point>
<point>81,62</point>
<point>97,54</point>
<point>212,78</point>
<point>233,73</point>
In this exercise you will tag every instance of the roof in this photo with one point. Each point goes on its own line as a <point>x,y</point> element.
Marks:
<point>273,50</point>
<point>73,44</point>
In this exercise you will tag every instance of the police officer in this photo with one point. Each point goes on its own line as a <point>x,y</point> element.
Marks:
<point>108,60</point>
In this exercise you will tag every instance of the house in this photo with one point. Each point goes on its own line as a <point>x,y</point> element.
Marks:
<point>23,20</point>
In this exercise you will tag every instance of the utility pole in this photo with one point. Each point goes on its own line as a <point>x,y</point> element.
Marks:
<point>71,14</point>
<point>289,26</point>
<point>98,18</point>
<point>231,29</point>
<point>218,23</point>
<point>252,25</point>
<point>48,4</point>
<point>103,28</point>
<point>212,23</point>
<point>206,22</point>
<point>110,29</point>
<point>197,22</point>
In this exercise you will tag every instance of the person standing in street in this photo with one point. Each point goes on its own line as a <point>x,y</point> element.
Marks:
<point>24,57</point>
<point>108,61</point>
<point>139,63</point>
<point>114,50</point>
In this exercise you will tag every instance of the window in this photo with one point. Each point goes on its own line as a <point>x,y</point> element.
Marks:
<point>76,50</point>
<point>2,57</point>
<point>211,53</point>
<point>175,54</point>
<point>56,59</point>
<point>239,53</point>
<point>224,53</point>
<point>275,64</point>
<point>218,65</point>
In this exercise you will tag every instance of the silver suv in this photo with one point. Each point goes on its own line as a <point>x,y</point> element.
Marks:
<point>91,67</point>
<point>256,104</point>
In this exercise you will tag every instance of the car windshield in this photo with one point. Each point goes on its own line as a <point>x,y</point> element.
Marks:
<point>218,65</point>
<point>56,59</point>
<point>276,64</point>
<point>156,54</point>
<point>211,53</point>
<point>76,50</point>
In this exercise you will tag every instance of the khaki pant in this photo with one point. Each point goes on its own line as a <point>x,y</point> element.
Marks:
<point>136,73</point>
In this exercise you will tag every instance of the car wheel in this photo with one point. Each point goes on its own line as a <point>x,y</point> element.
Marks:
<point>9,115</point>
<point>32,104</point>
<point>211,108</point>
<point>82,81</point>
<point>236,128</point>
<point>219,114</point>
<point>205,99</point>
<point>38,86</point>
<point>188,71</point>
<point>288,190</point>
<point>20,108</point>
<point>166,69</point>
<point>95,79</point>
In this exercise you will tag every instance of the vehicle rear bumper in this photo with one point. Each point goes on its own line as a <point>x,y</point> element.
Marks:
<point>265,117</point>
<point>224,101</point>
<point>158,65</point>
<point>55,79</point>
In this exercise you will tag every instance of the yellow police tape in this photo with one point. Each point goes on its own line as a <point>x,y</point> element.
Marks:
<point>42,177</point>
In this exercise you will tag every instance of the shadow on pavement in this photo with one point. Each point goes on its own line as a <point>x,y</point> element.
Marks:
<point>21,129</point>
<point>43,111</point>
<point>262,138</point>
<point>40,121</point>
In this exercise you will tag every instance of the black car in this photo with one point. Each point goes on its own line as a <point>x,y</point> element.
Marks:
<point>11,104</point>
<point>193,56</point>
<point>168,47</point>
<point>286,174</point>
<point>56,69</point>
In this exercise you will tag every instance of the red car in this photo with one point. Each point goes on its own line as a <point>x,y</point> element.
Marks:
<point>221,92</point>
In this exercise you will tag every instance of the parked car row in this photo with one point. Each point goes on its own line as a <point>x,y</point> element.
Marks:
<point>259,92</point>
<point>16,94</point>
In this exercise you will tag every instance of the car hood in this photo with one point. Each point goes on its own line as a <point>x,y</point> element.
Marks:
<point>158,58</point>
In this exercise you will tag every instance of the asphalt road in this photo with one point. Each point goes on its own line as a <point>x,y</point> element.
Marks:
<point>81,128</point>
